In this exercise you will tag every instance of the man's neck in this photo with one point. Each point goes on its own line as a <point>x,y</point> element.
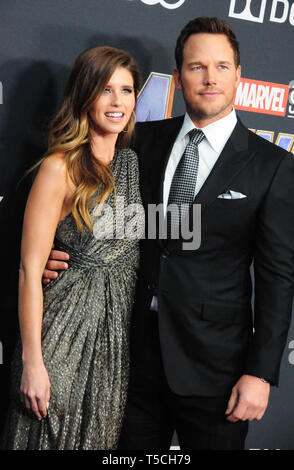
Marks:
<point>200,121</point>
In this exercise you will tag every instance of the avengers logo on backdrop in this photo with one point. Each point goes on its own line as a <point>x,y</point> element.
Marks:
<point>170,4</point>
<point>155,100</point>
<point>257,10</point>
<point>283,139</point>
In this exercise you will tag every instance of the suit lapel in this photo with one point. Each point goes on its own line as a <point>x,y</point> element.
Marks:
<point>231,161</point>
<point>234,157</point>
<point>165,138</point>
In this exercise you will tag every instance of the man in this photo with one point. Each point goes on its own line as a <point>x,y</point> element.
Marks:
<point>202,363</point>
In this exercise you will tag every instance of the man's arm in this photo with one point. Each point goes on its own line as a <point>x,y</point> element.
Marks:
<point>273,275</point>
<point>274,287</point>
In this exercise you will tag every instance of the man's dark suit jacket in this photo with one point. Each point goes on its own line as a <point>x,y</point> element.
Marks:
<point>209,334</point>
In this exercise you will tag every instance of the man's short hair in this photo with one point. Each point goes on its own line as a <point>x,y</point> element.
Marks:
<point>206,25</point>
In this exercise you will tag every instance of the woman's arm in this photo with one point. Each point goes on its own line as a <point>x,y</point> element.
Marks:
<point>45,207</point>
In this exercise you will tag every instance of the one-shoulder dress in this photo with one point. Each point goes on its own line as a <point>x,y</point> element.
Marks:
<point>85,329</point>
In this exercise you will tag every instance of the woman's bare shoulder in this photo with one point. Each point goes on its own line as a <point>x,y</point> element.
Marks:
<point>55,163</point>
<point>52,175</point>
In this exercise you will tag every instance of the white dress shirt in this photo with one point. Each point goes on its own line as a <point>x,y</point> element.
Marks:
<point>216,136</point>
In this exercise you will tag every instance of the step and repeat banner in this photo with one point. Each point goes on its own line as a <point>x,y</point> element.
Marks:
<point>39,42</point>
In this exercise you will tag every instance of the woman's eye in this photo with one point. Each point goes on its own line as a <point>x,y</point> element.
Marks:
<point>128,90</point>
<point>107,90</point>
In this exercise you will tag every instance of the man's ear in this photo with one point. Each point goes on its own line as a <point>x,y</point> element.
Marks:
<point>177,79</point>
<point>238,76</point>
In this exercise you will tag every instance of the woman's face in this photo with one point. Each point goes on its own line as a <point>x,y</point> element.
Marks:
<point>111,112</point>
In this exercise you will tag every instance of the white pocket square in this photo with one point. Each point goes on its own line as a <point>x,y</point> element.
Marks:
<point>231,195</point>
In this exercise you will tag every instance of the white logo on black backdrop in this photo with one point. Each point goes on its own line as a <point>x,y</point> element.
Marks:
<point>170,4</point>
<point>254,10</point>
<point>1,353</point>
<point>1,93</point>
<point>291,100</point>
<point>291,355</point>
<point>1,197</point>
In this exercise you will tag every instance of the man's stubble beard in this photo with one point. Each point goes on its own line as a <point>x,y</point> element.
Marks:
<point>202,115</point>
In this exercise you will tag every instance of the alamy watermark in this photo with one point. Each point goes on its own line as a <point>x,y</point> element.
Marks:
<point>1,93</point>
<point>177,222</point>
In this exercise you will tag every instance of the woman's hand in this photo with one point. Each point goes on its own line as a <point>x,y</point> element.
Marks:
<point>35,389</point>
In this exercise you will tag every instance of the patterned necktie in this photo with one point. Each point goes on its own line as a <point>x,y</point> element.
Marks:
<point>182,190</point>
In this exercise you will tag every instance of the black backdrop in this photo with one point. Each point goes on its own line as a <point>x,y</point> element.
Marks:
<point>39,41</point>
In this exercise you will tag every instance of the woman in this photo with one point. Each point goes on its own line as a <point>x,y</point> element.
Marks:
<point>74,333</point>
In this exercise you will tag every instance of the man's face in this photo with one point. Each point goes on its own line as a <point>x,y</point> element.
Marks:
<point>208,77</point>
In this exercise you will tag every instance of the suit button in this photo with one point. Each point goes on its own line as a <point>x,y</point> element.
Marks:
<point>165,254</point>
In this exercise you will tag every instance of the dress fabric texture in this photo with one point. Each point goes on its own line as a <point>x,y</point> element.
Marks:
<point>85,330</point>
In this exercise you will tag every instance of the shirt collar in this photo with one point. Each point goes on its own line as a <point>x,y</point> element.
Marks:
<point>217,133</point>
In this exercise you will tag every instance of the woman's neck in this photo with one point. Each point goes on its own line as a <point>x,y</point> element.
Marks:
<point>103,147</point>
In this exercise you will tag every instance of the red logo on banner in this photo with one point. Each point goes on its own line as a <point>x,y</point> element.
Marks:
<point>261,97</point>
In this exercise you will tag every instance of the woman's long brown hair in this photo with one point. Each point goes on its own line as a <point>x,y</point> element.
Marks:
<point>69,130</point>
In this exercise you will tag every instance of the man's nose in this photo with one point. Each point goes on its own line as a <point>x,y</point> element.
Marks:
<point>210,76</point>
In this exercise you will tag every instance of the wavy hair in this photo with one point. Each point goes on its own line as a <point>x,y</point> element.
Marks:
<point>69,131</point>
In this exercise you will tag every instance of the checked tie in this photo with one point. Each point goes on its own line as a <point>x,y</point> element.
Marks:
<point>182,190</point>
